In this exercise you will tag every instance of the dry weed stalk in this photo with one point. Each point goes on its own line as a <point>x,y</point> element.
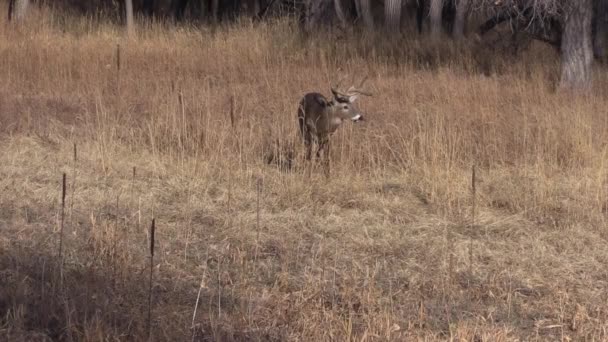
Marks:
<point>72,198</point>
<point>152,232</point>
<point>451,278</point>
<point>132,190</point>
<point>232,110</point>
<point>115,240</point>
<point>118,68</point>
<point>259,184</point>
<point>201,286</point>
<point>60,253</point>
<point>473,210</point>
<point>219,285</point>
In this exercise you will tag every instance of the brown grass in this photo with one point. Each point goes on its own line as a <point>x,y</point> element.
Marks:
<point>378,252</point>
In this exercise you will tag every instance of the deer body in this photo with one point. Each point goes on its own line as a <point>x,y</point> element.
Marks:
<point>320,117</point>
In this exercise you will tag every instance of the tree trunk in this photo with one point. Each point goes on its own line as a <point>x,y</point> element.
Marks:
<point>340,12</point>
<point>197,9</point>
<point>392,15</point>
<point>17,9</point>
<point>215,7</point>
<point>577,48</point>
<point>366,13</point>
<point>314,12</point>
<point>600,28</point>
<point>462,11</point>
<point>148,7</point>
<point>122,12</point>
<point>129,16</point>
<point>435,13</point>
<point>179,9</point>
<point>257,7</point>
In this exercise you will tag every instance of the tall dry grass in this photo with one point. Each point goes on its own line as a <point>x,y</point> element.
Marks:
<point>381,251</point>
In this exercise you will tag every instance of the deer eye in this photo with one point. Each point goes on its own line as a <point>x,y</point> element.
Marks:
<point>345,107</point>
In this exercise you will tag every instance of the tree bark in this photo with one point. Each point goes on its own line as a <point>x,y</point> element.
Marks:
<point>129,16</point>
<point>462,12</point>
<point>122,12</point>
<point>179,8</point>
<point>600,28</point>
<point>366,13</point>
<point>148,7</point>
<point>17,9</point>
<point>257,7</point>
<point>340,12</point>
<point>314,12</point>
<point>215,7</point>
<point>392,15</point>
<point>577,48</point>
<point>435,12</point>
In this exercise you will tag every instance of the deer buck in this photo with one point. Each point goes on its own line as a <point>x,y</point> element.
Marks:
<point>319,117</point>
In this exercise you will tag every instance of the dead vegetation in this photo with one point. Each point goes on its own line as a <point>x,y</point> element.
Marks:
<point>383,251</point>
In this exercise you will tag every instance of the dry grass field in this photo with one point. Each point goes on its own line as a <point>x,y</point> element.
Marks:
<point>390,248</point>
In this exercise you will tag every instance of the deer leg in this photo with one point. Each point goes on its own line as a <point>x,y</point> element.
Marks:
<point>322,141</point>
<point>324,147</point>
<point>319,150</point>
<point>305,132</point>
<point>327,160</point>
<point>308,144</point>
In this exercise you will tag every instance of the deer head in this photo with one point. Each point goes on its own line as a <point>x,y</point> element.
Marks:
<point>345,101</point>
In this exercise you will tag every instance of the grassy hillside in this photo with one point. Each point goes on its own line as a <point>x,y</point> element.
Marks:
<point>386,249</point>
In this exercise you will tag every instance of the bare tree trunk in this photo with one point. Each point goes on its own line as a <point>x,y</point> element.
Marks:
<point>577,48</point>
<point>366,13</point>
<point>462,11</point>
<point>215,6</point>
<point>148,7</point>
<point>314,12</point>
<point>600,28</point>
<point>122,12</point>
<point>129,16</point>
<point>392,15</point>
<point>435,13</point>
<point>257,7</point>
<point>197,9</point>
<point>340,12</point>
<point>17,9</point>
<point>179,8</point>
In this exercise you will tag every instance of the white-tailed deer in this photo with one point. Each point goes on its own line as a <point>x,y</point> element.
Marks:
<point>319,117</point>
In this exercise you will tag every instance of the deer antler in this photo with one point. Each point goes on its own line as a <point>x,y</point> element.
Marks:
<point>352,90</point>
<point>357,91</point>
<point>336,88</point>
<point>363,80</point>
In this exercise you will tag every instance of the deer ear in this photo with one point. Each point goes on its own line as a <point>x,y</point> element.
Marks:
<point>321,100</point>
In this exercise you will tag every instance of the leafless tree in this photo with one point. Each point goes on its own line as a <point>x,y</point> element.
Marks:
<point>314,11</point>
<point>17,9</point>
<point>392,15</point>
<point>462,11</point>
<point>574,17</point>
<point>435,13</point>
<point>340,13</point>
<point>600,29</point>
<point>577,48</point>
<point>129,22</point>
<point>365,9</point>
<point>148,7</point>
